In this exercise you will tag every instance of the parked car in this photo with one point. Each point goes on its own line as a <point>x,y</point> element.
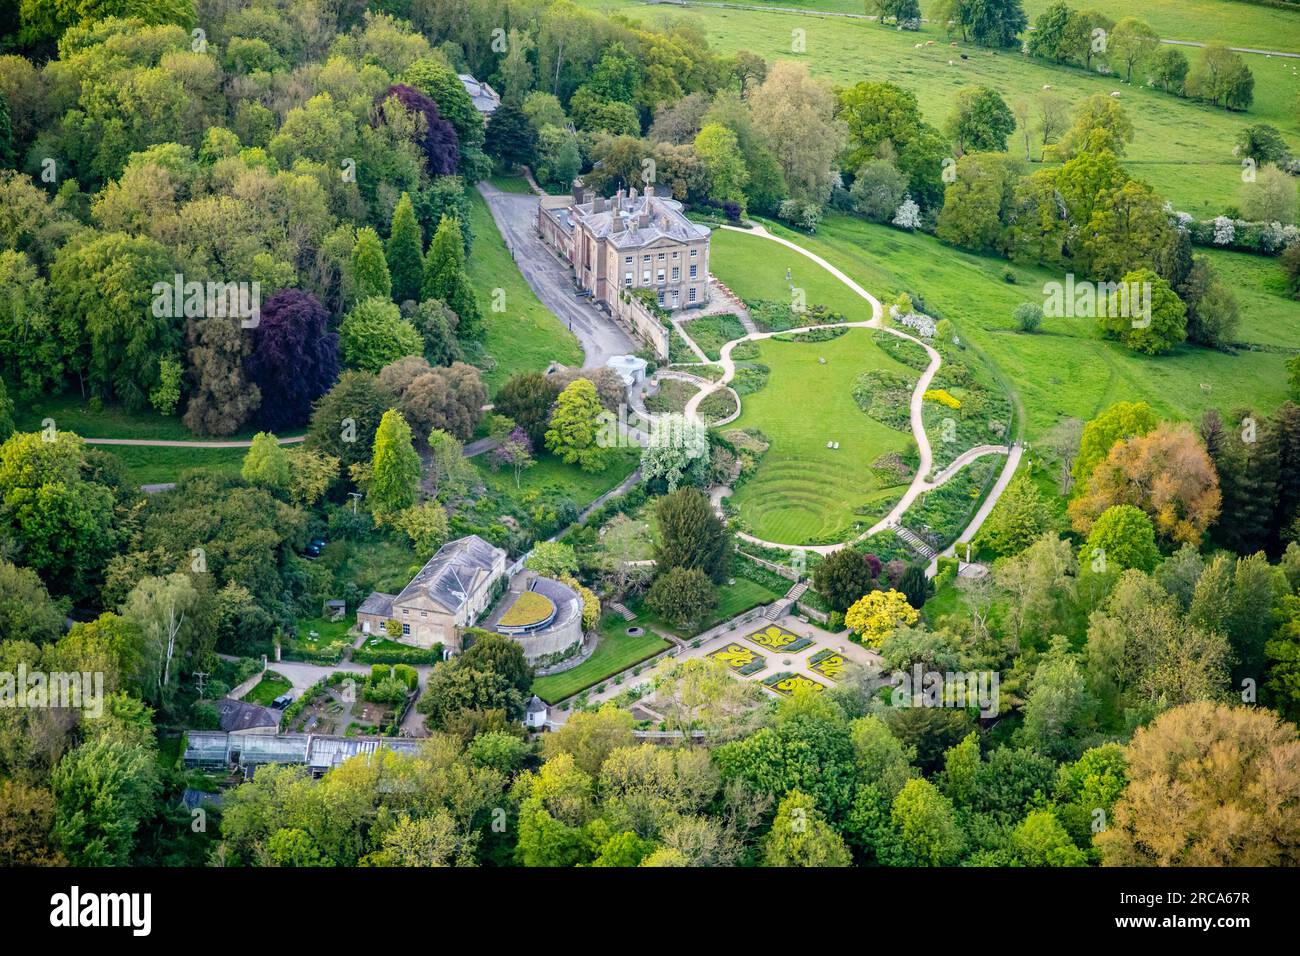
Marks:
<point>314,547</point>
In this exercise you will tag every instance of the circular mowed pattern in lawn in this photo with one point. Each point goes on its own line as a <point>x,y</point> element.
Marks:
<point>804,492</point>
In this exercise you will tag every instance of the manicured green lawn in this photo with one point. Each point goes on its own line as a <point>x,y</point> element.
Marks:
<point>1168,130</point>
<point>714,331</point>
<point>527,336</point>
<point>384,644</point>
<point>510,184</point>
<point>1065,369</point>
<point>755,268</point>
<point>268,689</point>
<point>733,599</point>
<point>328,632</point>
<point>617,651</point>
<point>804,492</point>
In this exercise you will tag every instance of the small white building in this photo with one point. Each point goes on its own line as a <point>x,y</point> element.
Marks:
<point>535,713</point>
<point>630,368</point>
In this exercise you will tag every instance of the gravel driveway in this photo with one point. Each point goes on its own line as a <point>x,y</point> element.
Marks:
<point>552,282</point>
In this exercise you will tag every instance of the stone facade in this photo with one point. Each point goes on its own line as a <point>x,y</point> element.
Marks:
<point>447,595</point>
<point>629,242</point>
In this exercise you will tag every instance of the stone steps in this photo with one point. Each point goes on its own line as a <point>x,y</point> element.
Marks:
<point>916,543</point>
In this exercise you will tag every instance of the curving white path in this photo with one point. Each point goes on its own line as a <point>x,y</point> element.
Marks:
<point>920,483</point>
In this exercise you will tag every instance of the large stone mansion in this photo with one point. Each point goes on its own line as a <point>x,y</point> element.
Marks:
<point>627,242</point>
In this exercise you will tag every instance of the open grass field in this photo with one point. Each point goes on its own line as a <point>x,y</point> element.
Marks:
<point>618,650</point>
<point>1065,369</point>
<point>527,336</point>
<point>1188,145</point>
<point>804,492</point>
<point>1268,315</point>
<point>1235,23</point>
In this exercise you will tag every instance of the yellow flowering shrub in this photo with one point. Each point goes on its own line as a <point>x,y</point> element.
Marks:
<point>876,615</point>
<point>943,397</point>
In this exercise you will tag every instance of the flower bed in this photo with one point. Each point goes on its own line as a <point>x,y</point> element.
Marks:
<point>828,663</point>
<point>786,684</point>
<point>742,660</point>
<point>775,638</point>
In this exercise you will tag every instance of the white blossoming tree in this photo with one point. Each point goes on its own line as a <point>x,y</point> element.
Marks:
<point>908,215</point>
<point>1224,231</point>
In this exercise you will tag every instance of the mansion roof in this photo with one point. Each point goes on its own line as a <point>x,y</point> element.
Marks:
<point>451,575</point>
<point>629,221</point>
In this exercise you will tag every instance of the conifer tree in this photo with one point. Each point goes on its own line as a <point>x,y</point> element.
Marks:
<point>445,278</point>
<point>404,251</point>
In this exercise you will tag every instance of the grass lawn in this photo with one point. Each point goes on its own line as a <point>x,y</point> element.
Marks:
<point>268,689</point>
<point>712,332</point>
<point>804,492</point>
<point>527,336</point>
<point>73,414</point>
<point>384,644</point>
<point>511,184</point>
<point>733,599</point>
<point>329,632</point>
<point>755,268</point>
<point>1168,130</point>
<point>552,474</point>
<point>672,396</point>
<point>1065,369</point>
<point>1268,315</point>
<point>1237,24</point>
<point>149,466</point>
<point>616,652</point>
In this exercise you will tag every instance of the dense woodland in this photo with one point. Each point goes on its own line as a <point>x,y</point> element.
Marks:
<point>1143,606</point>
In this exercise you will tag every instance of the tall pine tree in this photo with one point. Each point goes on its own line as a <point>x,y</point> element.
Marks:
<point>394,468</point>
<point>1286,429</point>
<point>445,278</point>
<point>404,251</point>
<point>370,276</point>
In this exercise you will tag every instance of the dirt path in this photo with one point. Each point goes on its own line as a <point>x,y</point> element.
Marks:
<point>166,443</point>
